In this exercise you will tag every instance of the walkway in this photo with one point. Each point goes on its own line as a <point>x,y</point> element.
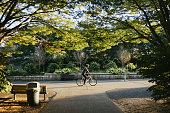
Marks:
<point>71,98</point>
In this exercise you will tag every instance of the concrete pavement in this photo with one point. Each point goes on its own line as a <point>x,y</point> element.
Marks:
<point>71,98</point>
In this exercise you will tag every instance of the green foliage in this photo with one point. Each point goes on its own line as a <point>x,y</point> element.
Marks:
<point>116,71</point>
<point>16,72</point>
<point>111,64</point>
<point>63,71</point>
<point>11,67</point>
<point>131,67</point>
<point>5,85</point>
<point>126,21</point>
<point>71,65</point>
<point>94,66</point>
<point>30,68</point>
<point>4,60</point>
<point>52,67</point>
<point>13,10</point>
<point>155,65</point>
<point>25,50</point>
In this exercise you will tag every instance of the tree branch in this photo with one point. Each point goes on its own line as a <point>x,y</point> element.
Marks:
<point>14,3</point>
<point>20,10</point>
<point>22,16</point>
<point>148,21</point>
<point>4,3</point>
<point>5,12</point>
<point>165,22</point>
<point>46,23</point>
<point>16,27</point>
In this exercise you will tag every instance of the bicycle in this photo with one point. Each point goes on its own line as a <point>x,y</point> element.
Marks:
<point>92,81</point>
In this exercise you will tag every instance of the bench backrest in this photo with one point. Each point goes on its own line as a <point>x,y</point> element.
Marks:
<point>22,89</point>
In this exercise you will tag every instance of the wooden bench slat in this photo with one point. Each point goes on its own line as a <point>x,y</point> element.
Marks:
<point>21,89</point>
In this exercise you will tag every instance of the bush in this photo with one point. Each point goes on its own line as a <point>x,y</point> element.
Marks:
<point>116,71</point>
<point>52,67</point>
<point>94,66</point>
<point>30,68</point>
<point>63,71</point>
<point>16,72</point>
<point>111,65</point>
<point>131,67</point>
<point>71,65</point>
<point>5,85</point>
<point>155,65</point>
<point>11,67</point>
<point>13,71</point>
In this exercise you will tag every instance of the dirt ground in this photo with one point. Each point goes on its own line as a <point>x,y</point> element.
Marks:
<point>142,105</point>
<point>20,105</point>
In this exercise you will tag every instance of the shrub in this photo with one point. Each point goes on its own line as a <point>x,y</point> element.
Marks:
<point>63,71</point>
<point>13,71</point>
<point>51,67</point>
<point>5,85</point>
<point>11,67</point>
<point>71,65</point>
<point>94,66</point>
<point>111,65</point>
<point>131,67</point>
<point>116,71</point>
<point>16,72</point>
<point>155,65</point>
<point>30,68</point>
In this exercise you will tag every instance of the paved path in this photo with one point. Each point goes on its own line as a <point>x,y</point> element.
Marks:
<point>71,98</point>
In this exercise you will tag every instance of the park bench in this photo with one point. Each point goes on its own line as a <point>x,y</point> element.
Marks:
<point>21,89</point>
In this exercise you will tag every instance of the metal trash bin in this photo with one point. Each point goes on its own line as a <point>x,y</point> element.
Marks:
<point>33,91</point>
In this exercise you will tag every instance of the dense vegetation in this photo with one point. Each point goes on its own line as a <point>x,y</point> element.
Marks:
<point>34,61</point>
<point>110,35</point>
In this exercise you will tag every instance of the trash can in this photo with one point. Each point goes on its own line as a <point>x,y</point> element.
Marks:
<point>33,91</point>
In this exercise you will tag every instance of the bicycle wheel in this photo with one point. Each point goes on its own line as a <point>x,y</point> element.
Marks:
<point>93,82</point>
<point>80,82</point>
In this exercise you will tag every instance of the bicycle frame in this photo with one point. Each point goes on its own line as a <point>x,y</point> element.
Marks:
<point>92,81</point>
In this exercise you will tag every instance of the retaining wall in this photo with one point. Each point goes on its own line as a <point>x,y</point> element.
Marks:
<point>74,76</point>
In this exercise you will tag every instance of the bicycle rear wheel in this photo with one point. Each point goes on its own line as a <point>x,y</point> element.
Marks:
<point>93,82</point>
<point>80,82</point>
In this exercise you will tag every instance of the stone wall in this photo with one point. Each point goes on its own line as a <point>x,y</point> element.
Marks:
<point>74,76</point>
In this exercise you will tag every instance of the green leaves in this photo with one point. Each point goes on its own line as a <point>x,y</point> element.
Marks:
<point>5,85</point>
<point>154,64</point>
<point>129,21</point>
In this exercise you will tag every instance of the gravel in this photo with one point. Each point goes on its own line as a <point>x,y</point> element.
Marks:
<point>137,100</point>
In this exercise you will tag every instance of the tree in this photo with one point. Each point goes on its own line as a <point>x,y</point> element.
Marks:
<point>154,64</point>
<point>137,21</point>
<point>17,14</point>
<point>124,55</point>
<point>79,56</point>
<point>40,58</point>
<point>22,20</point>
<point>129,20</point>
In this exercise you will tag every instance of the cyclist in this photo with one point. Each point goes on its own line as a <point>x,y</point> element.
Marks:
<point>85,73</point>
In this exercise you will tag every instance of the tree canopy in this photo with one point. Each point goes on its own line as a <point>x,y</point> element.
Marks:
<point>128,21</point>
<point>33,21</point>
<point>61,25</point>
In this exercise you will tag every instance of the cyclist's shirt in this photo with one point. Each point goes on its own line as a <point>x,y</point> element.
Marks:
<point>85,71</point>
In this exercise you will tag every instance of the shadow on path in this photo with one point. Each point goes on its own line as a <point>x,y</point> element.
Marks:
<point>90,103</point>
<point>128,93</point>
